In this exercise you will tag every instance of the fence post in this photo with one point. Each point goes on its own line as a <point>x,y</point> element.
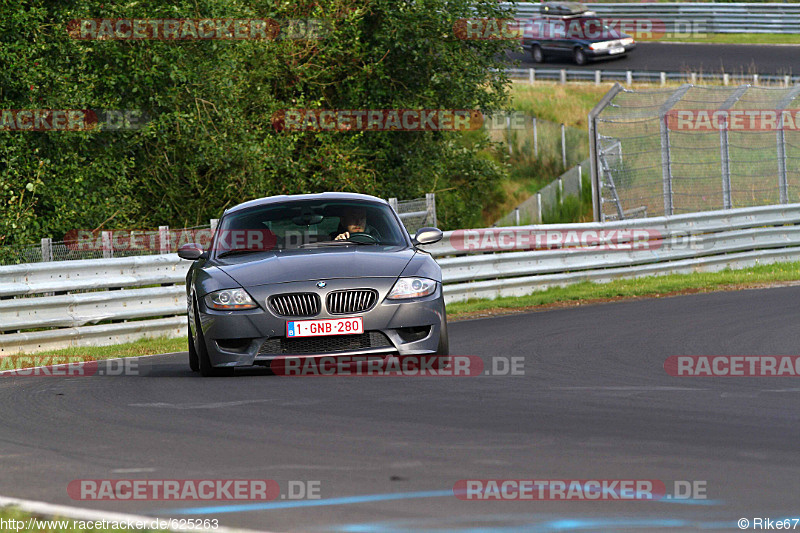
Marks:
<point>726,79</point>
<point>538,208</point>
<point>531,76</point>
<point>783,185</point>
<point>163,239</point>
<point>535,138</point>
<point>724,152</point>
<point>725,159</point>
<point>563,76</point>
<point>560,191</point>
<point>47,250</point>
<point>508,134</point>
<point>693,78</point>
<point>787,80</point>
<point>108,245</point>
<point>666,163</point>
<point>629,78</point>
<point>430,206</point>
<point>597,77</point>
<point>516,216</point>
<point>755,79</point>
<point>663,78</point>
<point>563,146</point>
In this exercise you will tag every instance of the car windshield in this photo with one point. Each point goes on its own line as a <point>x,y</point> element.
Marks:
<point>306,224</point>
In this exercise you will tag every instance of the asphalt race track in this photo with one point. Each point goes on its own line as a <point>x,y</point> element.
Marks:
<point>594,403</point>
<point>673,57</point>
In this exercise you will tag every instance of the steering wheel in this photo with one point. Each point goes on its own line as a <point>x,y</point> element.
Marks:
<point>366,238</point>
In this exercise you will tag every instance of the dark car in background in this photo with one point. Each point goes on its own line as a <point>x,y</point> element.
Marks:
<point>331,274</point>
<point>569,29</point>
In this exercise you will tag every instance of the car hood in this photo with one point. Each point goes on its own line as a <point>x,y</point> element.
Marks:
<point>315,264</point>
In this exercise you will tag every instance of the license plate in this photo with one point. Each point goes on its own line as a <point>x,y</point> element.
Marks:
<point>618,50</point>
<point>330,326</point>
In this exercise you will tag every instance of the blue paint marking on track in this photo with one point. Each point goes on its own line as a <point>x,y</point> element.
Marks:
<point>346,500</point>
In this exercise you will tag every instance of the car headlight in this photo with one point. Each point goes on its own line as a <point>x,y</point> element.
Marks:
<point>626,42</point>
<point>412,288</point>
<point>230,299</point>
<point>600,46</point>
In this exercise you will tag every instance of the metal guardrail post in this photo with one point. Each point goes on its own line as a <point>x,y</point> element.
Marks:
<point>629,78</point>
<point>108,244</point>
<point>594,163</point>
<point>663,78</point>
<point>393,204</point>
<point>597,77</point>
<point>47,250</point>
<point>563,76</point>
<point>163,239</point>
<point>560,191</point>
<point>539,216</point>
<point>563,146</point>
<point>726,79</point>
<point>535,139</point>
<point>516,216</point>
<point>213,224</point>
<point>430,201</point>
<point>531,76</point>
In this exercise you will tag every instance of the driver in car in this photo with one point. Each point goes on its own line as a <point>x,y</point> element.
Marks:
<point>354,220</point>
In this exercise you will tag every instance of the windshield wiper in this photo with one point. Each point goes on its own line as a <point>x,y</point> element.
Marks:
<point>239,251</point>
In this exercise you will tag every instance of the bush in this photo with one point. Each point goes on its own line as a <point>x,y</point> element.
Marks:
<point>209,142</point>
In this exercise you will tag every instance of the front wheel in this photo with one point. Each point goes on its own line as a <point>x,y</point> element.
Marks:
<point>207,370</point>
<point>537,54</point>
<point>194,362</point>
<point>579,56</point>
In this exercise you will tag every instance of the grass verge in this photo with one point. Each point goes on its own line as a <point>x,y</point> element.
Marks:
<point>129,349</point>
<point>731,38</point>
<point>653,286</point>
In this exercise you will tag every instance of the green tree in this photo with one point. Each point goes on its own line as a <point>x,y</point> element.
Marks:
<point>209,141</point>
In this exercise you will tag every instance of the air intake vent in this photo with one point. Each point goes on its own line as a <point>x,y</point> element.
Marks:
<point>352,301</point>
<point>297,304</point>
<point>326,344</point>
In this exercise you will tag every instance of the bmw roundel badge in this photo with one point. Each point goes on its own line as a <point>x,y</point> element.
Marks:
<point>321,284</point>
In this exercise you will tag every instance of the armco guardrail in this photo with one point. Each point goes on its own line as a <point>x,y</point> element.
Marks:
<point>705,17</point>
<point>144,296</point>
<point>629,77</point>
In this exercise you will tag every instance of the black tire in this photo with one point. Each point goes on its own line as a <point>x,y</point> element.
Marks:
<point>204,362</point>
<point>537,54</point>
<point>579,56</point>
<point>194,362</point>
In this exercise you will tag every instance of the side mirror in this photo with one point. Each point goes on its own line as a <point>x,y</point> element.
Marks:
<point>190,251</point>
<point>427,236</point>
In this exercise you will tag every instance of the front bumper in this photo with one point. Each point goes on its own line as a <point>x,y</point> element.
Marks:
<point>605,53</point>
<point>257,336</point>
